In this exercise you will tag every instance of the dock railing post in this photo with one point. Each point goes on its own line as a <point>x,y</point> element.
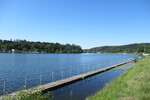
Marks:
<point>62,74</point>
<point>78,71</point>
<point>70,72</point>
<point>25,82</point>
<point>87,68</point>
<point>40,79</point>
<point>52,76</point>
<point>4,87</point>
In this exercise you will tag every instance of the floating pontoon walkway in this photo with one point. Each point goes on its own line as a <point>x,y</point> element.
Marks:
<point>61,83</point>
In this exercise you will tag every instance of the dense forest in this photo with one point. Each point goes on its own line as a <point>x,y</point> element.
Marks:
<point>24,46</point>
<point>131,48</point>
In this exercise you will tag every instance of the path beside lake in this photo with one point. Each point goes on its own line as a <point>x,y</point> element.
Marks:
<point>134,84</point>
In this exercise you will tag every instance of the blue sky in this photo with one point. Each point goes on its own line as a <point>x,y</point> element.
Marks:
<point>88,23</point>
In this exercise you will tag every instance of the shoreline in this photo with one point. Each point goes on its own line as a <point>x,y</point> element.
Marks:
<point>133,84</point>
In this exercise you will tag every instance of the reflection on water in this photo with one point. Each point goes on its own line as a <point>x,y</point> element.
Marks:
<point>84,88</point>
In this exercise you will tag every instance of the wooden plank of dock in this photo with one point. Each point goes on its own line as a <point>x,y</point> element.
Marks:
<point>61,83</point>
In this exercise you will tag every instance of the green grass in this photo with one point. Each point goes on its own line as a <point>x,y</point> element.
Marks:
<point>134,84</point>
<point>28,95</point>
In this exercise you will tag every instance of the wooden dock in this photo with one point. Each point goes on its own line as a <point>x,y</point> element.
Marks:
<point>64,82</point>
<point>61,83</point>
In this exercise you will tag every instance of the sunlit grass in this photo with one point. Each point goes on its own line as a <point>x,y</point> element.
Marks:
<point>134,84</point>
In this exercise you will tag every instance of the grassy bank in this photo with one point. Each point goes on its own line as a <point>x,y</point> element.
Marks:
<point>134,84</point>
<point>28,95</point>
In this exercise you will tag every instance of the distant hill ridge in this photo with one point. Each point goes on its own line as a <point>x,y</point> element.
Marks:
<point>130,48</point>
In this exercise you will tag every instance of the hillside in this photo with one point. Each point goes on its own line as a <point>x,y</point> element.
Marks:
<point>23,46</point>
<point>131,48</point>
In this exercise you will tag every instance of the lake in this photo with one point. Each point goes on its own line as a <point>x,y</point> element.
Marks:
<point>20,69</point>
<point>82,89</point>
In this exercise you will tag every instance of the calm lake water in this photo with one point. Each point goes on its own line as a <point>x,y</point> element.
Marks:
<point>84,88</point>
<point>13,67</point>
<point>88,87</point>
